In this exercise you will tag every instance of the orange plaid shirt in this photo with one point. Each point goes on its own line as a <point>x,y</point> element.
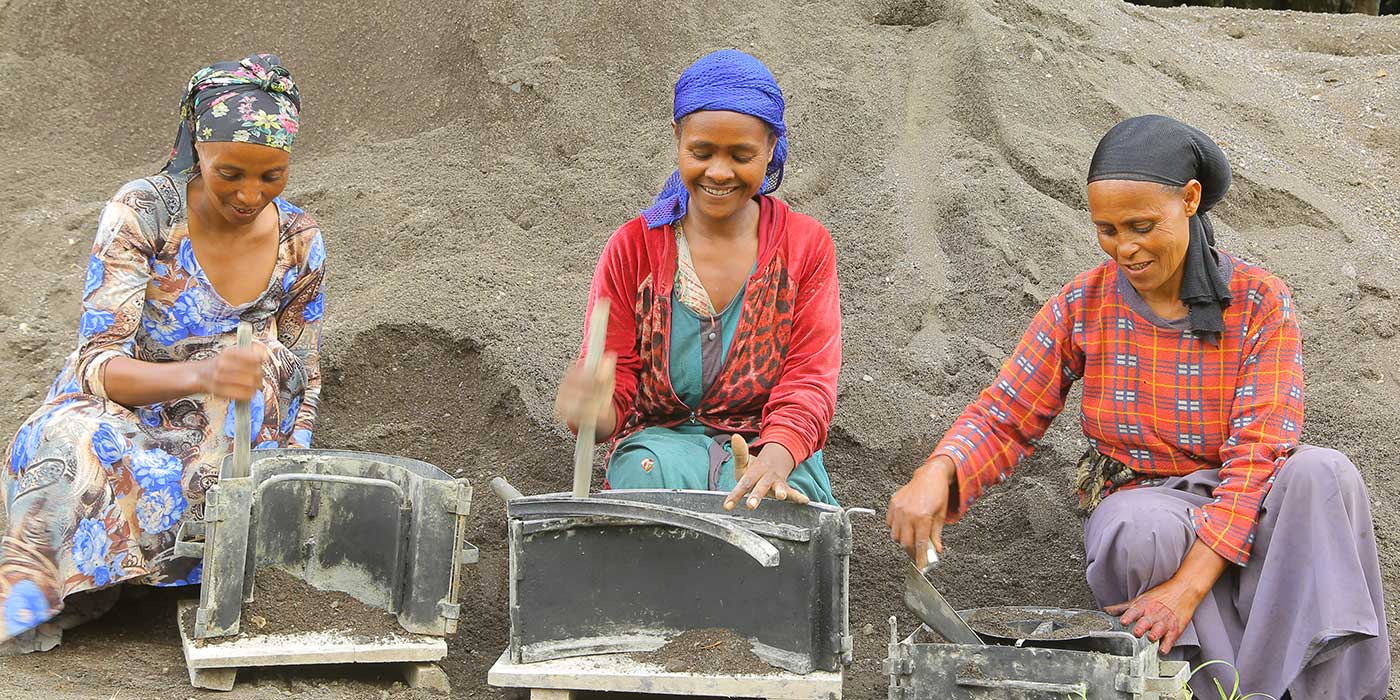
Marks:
<point>1155,397</point>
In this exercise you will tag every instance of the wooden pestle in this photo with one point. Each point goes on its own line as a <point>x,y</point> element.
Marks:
<point>583,449</point>
<point>242,416</point>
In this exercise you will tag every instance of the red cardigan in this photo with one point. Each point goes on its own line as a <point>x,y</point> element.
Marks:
<point>779,379</point>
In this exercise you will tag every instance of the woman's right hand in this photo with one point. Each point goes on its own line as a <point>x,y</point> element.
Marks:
<point>234,374</point>
<point>918,509</point>
<point>581,396</point>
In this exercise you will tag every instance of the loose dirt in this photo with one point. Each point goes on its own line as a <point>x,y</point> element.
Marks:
<point>710,650</point>
<point>287,604</point>
<point>1018,623</point>
<point>468,160</point>
<point>284,604</point>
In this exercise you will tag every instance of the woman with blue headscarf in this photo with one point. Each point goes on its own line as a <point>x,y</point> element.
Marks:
<point>131,435</point>
<point>726,316</point>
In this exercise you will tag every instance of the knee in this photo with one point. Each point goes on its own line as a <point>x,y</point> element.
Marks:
<point>1135,540</point>
<point>635,463</point>
<point>1320,469</point>
<point>1139,525</point>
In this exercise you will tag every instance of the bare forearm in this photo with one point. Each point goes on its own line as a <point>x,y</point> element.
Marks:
<point>941,465</point>
<point>606,423</point>
<point>1201,569</point>
<point>779,457</point>
<point>942,468</point>
<point>133,383</point>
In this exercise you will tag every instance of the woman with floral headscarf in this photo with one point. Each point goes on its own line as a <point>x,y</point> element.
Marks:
<point>134,428</point>
<point>725,313</point>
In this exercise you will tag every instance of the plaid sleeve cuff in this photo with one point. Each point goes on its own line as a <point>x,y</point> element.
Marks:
<point>1227,532</point>
<point>966,488</point>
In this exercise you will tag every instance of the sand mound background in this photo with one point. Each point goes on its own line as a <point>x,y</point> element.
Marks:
<point>468,160</point>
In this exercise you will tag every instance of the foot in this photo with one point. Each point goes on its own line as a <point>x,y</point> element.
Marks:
<point>41,638</point>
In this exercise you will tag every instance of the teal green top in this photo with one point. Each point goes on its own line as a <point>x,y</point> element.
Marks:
<point>687,368</point>
<point>684,456</point>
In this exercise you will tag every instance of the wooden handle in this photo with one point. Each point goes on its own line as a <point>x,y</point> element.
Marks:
<point>504,490</point>
<point>242,415</point>
<point>583,449</point>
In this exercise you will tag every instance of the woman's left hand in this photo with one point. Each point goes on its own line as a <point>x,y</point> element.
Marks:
<point>767,471</point>
<point>1163,611</point>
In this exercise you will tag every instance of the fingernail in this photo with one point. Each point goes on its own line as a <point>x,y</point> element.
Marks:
<point>753,502</point>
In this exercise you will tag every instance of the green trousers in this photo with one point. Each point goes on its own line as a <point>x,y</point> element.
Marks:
<point>684,457</point>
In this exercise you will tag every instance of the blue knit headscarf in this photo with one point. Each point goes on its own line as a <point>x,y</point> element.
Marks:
<point>732,81</point>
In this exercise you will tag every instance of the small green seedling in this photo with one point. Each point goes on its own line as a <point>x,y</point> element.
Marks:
<point>1234,693</point>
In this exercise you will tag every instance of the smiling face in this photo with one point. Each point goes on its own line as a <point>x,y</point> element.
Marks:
<point>239,180</point>
<point>722,158</point>
<point>1145,227</point>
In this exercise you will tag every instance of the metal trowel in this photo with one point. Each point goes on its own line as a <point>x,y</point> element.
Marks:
<point>921,597</point>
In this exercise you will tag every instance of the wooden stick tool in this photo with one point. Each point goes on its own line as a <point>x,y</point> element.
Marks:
<point>583,449</point>
<point>242,416</point>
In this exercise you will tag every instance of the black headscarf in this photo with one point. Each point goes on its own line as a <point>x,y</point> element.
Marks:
<point>1154,148</point>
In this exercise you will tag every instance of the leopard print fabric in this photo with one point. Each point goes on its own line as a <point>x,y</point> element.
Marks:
<point>735,402</point>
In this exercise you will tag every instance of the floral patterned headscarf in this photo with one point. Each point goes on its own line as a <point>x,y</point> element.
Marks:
<point>253,100</point>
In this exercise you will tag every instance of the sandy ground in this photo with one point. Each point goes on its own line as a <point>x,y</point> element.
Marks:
<point>468,159</point>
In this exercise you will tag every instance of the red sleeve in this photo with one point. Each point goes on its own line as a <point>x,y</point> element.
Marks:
<point>997,430</point>
<point>616,278</point>
<point>800,406</point>
<point>1266,423</point>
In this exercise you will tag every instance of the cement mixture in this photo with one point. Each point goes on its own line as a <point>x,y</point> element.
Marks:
<point>467,161</point>
<point>285,604</point>
<point>710,650</point>
<point>1010,622</point>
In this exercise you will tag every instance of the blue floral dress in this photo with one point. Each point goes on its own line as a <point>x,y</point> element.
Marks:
<point>95,491</point>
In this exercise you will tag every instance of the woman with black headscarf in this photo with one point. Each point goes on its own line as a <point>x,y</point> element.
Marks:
<point>134,428</point>
<point>1210,529</point>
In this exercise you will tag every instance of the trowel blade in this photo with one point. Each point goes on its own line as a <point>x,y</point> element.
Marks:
<point>921,597</point>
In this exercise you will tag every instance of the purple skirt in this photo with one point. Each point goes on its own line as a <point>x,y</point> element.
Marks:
<point>1305,616</point>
